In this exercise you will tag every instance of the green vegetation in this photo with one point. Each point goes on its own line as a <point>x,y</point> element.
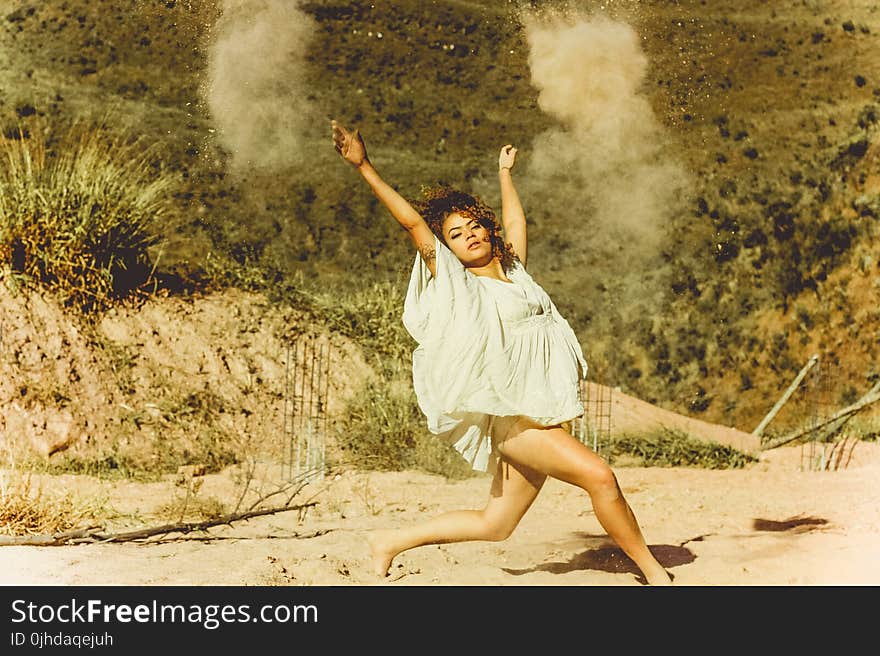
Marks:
<point>371,316</point>
<point>673,448</point>
<point>186,432</point>
<point>131,459</point>
<point>107,464</point>
<point>385,430</point>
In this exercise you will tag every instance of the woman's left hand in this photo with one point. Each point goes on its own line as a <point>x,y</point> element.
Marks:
<point>507,158</point>
<point>349,144</point>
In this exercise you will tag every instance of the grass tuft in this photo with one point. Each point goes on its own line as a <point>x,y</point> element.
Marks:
<point>79,213</point>
<point>26,509</point>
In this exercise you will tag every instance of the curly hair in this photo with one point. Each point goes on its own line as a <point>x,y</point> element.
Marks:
<point>442,200</point>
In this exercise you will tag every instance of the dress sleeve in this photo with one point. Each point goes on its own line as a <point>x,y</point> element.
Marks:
<point>451,318</point>
<point>418,298</point>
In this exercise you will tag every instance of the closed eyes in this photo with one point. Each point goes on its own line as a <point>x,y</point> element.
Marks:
<point>474,224</point>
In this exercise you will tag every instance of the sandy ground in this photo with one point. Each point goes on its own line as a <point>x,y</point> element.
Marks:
<point>772,523</point>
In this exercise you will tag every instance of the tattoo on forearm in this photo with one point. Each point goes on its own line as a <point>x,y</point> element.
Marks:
<point>428,254</point>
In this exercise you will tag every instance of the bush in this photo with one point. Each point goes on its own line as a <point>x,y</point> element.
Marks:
<point>78,214</point>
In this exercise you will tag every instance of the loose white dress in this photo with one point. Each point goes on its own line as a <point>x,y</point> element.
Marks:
<point>488,352</point>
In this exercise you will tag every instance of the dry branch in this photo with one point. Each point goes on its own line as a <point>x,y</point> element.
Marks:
<point>870,398</point>
<point>784,399</point>
<point>839,451</point>
<point>95,535</point>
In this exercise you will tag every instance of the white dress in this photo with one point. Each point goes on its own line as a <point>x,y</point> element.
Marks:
<point>488,351</point>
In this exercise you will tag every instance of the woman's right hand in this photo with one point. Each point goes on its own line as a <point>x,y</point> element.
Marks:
<point>349,144</point>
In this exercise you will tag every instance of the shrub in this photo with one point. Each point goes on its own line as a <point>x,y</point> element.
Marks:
<point>673,448</point>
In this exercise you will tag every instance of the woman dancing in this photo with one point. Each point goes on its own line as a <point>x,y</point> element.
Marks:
<point>497,368</point>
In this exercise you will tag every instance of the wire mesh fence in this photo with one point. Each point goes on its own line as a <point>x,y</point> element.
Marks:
<point>818,403</point>
<point>593,428</point>
<point>828,446</point>
<point>306,392</point>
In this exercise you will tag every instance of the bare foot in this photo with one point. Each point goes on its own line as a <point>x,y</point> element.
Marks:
<point>658,576</point>
<point>381,550</point>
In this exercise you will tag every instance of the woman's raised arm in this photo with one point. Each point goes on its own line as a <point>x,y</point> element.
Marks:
<point>350,145</point>
<point>513,217</point>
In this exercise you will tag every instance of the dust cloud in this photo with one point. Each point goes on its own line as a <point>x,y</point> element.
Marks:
<point>255,89</point>
<point>606,159</point>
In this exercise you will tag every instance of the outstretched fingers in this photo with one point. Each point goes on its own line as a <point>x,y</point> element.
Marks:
<point>340,136</point>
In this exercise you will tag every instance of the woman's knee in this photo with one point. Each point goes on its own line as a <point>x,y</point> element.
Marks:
<point>496,529</point>
<point>599,479</point>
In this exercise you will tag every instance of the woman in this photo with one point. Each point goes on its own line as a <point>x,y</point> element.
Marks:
<point>496,370</point>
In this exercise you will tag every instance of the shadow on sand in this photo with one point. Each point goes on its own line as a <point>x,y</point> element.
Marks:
<point>794,524</point>
<point>610,558</point>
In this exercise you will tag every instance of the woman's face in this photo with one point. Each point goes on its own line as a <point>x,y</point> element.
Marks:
<point>467,239</point>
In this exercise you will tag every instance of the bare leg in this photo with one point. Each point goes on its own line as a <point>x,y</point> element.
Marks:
<point>554,452</point>
<point>514,488</point>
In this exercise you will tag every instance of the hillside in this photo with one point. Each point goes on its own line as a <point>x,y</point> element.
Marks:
<point>700,179</point>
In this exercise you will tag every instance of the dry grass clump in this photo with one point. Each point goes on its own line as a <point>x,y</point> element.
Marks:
<point>189,504</point>
<point>26,509</point>
<point>79,212</point>
<point>192,508</point>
